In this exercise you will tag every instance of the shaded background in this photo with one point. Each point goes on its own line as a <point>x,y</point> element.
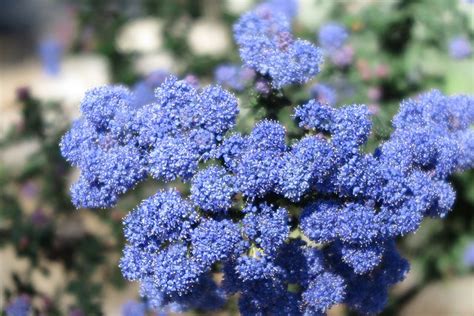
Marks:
<point>64,261</point>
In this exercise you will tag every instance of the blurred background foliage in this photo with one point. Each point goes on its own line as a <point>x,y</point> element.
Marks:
<point>64,261</point>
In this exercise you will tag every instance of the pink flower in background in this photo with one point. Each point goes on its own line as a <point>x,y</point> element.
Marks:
<point>364,69</point>
<point>374,93</point>
<point>343,57</point>
<point>374,108</point>
<point>382,70</point>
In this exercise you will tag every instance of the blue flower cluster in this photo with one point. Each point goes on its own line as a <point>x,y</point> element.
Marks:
<point>102,145</point>
<point>117,144</point>
<point>267,45</point>
<point>319,213</point>
<point>294,226</point>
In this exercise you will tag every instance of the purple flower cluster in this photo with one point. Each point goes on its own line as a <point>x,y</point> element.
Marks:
<point>294,226</point>
<point>116,145</point>
<point>238,212</point>
<point>267,45</point>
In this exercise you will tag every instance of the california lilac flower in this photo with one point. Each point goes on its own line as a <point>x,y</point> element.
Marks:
<point>267,46</point>
<point>354,203</point>
<point>50,52</point>
<point>325,291</point>
<point>468,257</point>
<point>212,189</point>
<point>324,93</point>
<point>19,306</point>
<point>117,145</point>
<point>294,225</point>
<point>332,36</point>
<point>460,47</point>
<point>233,76</point>
<point>98,144</point>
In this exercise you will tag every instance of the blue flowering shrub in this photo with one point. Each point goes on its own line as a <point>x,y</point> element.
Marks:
<point>294,223</point>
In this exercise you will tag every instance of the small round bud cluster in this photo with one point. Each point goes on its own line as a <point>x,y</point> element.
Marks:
<point>267,46</point>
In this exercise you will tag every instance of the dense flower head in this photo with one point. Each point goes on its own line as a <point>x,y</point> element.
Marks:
<point>267,298</point>
<point>163,217</point>
<point>266,227</point>
<point>257,160</point>
<point>308,163</point>
<point>267,46</point>
<point>256,267</point>
<point>353,202</point>
<point>101,145</point>
<point>362,259</point>
<point>116,145</point>
<point>319,220</point>
<point>213,241</point>
<point>323,292</point>
<point>432,133</point>
<point>315,115</point>
<point>292,224</point>
<point>212,189</point>
<point>351,129</point>
<point>460,47</point>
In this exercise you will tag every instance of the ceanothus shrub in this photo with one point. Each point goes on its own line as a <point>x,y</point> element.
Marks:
<point>293,225</point>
